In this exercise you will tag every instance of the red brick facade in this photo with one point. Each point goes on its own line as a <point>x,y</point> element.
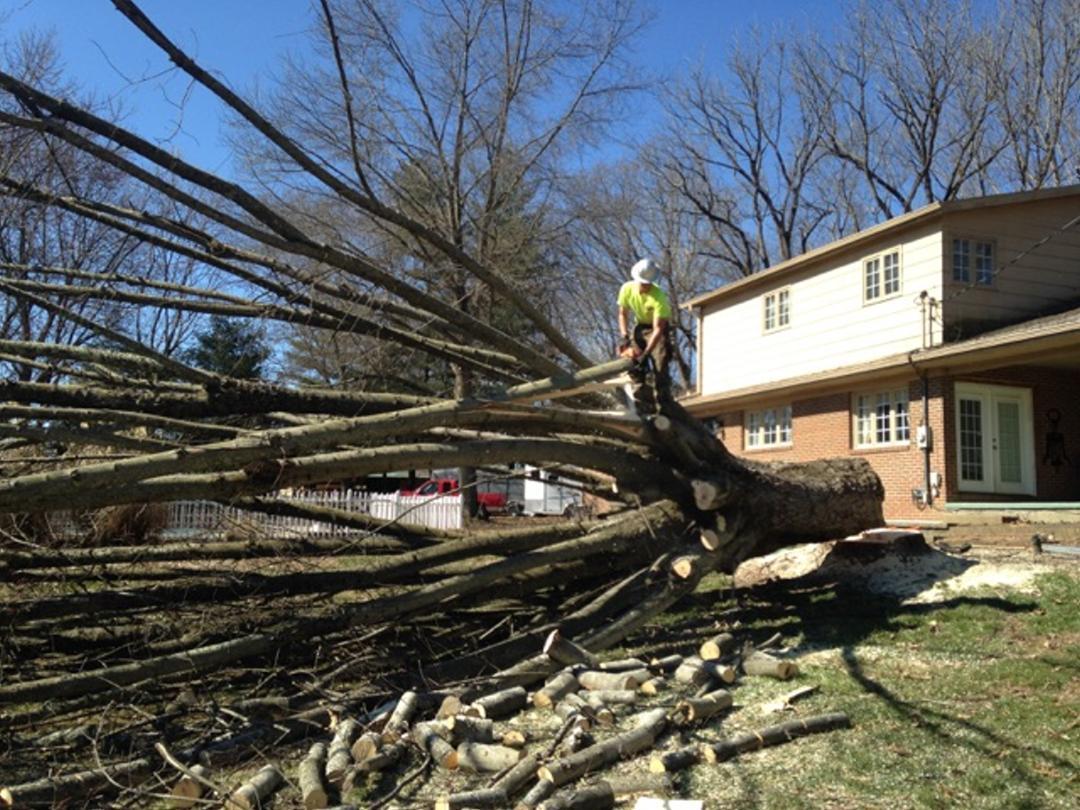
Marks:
<point>822,428</point>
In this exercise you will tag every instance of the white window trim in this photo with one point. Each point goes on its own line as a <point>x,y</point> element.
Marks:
<point>775,295</point>
<point>971,282</point>
<point>874,393</point>
<point>757,448</point>
<point>880,256</point>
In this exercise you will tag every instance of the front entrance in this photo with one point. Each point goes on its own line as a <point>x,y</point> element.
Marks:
<point>995,445</point>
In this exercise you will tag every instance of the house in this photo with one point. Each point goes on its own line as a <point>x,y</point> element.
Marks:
<point>943,346</point>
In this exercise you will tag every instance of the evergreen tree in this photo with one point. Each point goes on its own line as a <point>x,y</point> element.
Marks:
<point>231,347</point>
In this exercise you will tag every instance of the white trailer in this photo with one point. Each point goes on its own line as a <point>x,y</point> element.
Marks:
<point>545,495</point>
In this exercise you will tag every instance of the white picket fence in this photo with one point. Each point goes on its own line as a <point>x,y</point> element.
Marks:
<point>210,519</point>
<point>207,518</point>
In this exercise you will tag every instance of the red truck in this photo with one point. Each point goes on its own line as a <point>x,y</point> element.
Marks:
<point>489,502</point>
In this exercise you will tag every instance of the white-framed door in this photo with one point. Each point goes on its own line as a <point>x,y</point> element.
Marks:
<point>995,439</point>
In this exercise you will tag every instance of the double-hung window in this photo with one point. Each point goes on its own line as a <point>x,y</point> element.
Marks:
<point>881,276</point>
<point>777,310</point>
<point>973,258</point>
<point>768,428</point>
<point>881,418</point>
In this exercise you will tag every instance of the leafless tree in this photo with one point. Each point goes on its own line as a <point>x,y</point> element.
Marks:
<point>744,152</point>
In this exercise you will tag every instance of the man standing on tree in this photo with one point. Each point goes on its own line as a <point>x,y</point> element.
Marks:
<point>650,343</point>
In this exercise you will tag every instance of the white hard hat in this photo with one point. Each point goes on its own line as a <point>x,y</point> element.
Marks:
<point>645,270</point>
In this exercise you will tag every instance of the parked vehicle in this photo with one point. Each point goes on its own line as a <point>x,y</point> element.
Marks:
<point>490,502</point>
<point>546,495</point>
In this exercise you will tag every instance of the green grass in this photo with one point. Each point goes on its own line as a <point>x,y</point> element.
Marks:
<point>974,702</point>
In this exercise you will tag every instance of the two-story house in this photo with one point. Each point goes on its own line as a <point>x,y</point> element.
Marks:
<point>942,345</point>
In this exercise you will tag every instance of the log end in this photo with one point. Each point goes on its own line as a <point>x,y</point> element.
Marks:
<point>656,765</point>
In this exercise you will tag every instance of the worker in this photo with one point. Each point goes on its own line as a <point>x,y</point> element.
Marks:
<point>649,345</point>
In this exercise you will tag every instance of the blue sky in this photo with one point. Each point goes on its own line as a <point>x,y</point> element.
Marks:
<point>244,40</point>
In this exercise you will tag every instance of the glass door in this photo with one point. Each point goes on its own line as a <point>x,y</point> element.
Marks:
<point>995,439</point>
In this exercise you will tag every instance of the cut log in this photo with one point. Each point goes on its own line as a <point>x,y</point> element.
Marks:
<point>488,797</point>
<point>366,746</point>
<point>253,794</point>
<point>515,779</point>
<point>562,650</point>
<point>398,723</point>
<point>597,796</point>
<point>716,536</point>
<point>339,752</point>
<point>503,703</point>
<point>609,681</point>
<point>188,789</point>
<point>387,757</point>
<point>613,697</point>
<point>773,735</point>
<point>623,665</point>
<point>58,790</point>
<point>577,714</point>
<point>696,672</point>
<point>562,684</point>
<point>784,702</point>
<point>710,495</point>
<point>717,647</point>
<point>653,686</point>
<point>538,793</point>
<point>484,758</point>
<point>647,727</point>
<point>470,729</point>
<point>309,778</point>
<point>512,738</point>
<point>698,709</point>
<point>578,739</point>
<point>677,760</point>
<point>634,784</point>
<point>442,753</point>
<point>450,706</point>
<point>665,665</point>
<point>759,663</point>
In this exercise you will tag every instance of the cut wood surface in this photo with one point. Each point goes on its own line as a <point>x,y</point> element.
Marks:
<point>189,789</point>
<point>697,709</point>
<point>717,647</point>
<point>253,794</point>
<point>562,684</point>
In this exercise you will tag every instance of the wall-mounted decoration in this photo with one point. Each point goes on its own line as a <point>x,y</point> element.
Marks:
<point>1055,454</point>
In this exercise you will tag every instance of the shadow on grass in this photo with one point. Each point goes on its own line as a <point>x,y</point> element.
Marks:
<point>985,741</point>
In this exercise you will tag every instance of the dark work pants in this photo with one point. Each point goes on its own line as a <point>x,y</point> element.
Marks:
<point>650,378</point>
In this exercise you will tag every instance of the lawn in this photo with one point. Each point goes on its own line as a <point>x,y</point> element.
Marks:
<point>969,702</point>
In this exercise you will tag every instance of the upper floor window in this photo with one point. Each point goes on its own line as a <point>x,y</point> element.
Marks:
<point>777,313</point>
<point>881,276</point>
<point>973,259</point>
<point>769,427</point>
<point>881,417</point>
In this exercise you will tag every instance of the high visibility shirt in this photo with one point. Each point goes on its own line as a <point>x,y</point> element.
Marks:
<point>647,307</point>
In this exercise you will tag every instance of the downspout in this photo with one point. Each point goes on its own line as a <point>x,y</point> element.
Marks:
<point>926,305</point>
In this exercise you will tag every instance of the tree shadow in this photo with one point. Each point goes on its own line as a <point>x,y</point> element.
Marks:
<point>984,741</point>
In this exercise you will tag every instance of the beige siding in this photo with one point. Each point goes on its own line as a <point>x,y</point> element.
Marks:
<point>1045,280</point>
<point>830,324</point>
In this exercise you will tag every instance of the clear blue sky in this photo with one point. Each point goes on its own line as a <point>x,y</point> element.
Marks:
<point>243,40</point>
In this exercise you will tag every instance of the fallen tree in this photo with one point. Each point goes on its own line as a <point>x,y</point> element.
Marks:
<point>682,505</point>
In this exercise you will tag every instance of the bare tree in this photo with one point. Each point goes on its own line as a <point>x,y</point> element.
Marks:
<point>1036,84</point>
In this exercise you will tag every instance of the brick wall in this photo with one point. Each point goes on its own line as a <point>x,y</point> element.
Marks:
<point>822,428</point>
<point>1051,389</point>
